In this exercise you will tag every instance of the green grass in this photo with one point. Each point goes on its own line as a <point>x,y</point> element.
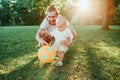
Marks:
<point>94,55</point>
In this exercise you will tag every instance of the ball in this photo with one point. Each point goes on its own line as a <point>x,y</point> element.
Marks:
<point>46,54</point>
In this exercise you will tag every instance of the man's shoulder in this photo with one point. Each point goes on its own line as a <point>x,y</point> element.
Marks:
<point>60,15</point>
<point>45,20</point>
<point>44,23</point>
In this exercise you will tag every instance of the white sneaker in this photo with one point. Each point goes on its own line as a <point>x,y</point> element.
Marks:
<point>59,63</point>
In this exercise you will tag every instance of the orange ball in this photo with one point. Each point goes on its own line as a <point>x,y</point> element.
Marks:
<point>46,54</point>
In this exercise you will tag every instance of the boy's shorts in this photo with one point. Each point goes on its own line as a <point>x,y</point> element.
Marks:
<point>58,47</point>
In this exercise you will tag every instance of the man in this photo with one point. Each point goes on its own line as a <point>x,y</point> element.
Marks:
<point>48,25</point>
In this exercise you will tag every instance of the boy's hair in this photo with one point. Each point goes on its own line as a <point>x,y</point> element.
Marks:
<point>61,19</point>
<point>51,9</point>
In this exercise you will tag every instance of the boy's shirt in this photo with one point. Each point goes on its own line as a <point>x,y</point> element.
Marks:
<point>61,35</point>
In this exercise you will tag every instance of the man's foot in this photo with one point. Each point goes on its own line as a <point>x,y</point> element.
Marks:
<point>59,63</point>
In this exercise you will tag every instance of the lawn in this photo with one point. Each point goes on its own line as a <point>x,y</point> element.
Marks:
<point>94,55</point>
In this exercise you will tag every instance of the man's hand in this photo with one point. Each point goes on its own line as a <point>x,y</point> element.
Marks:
<point>42,44</point>
<point>66,43</point>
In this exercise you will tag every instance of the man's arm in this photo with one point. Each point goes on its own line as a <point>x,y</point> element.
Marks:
<point>39,38</point>
<point>40,33</point>
<point>73,32</point>
<point>69,39</point>
<point>72,29</point>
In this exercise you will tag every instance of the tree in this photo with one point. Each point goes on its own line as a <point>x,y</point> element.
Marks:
<point>23,12</point>
<point>106,10</point>
<point>0,24</point>
<point>105,15</point>
<point>0,19</point>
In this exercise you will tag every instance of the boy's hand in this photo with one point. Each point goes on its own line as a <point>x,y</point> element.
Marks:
<point>42,32</point>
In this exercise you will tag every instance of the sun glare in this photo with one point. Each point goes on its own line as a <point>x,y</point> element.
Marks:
<point>83,5</point>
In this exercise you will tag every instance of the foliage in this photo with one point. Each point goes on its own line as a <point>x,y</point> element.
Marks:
<point>92,18</point>
<point>25,12</point>
<point>6,15</point>
<point>31,12</point>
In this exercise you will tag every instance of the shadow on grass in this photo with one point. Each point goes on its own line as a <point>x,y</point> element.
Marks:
<point>29,71</point>
<point>13,49</point>
<point>113,39</point>
<point>94,66</point>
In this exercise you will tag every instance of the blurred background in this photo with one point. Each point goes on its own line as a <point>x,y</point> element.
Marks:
<point>31,12</point>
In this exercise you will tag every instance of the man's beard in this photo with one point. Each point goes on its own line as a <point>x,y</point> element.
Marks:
<point>52,22</point>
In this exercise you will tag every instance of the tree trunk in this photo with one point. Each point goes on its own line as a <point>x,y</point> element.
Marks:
<point>105,16</point>
<point>0,24</point>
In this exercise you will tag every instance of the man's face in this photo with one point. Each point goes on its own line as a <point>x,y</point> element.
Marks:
<point>52,17</point>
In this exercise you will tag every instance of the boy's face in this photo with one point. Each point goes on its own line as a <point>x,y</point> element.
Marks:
<point>61,27</point>
<point>52,17</point>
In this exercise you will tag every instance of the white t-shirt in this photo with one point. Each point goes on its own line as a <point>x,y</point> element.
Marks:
<point>61,35</point>
<point>47,26</point>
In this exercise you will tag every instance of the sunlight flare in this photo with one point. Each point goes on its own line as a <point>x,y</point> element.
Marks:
<point>84,5</point>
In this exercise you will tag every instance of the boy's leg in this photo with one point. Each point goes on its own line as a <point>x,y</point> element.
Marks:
<point>61,57</point>
<point>62,51</point>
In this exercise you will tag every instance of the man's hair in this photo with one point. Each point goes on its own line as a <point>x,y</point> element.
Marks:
<point>51,9</point>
